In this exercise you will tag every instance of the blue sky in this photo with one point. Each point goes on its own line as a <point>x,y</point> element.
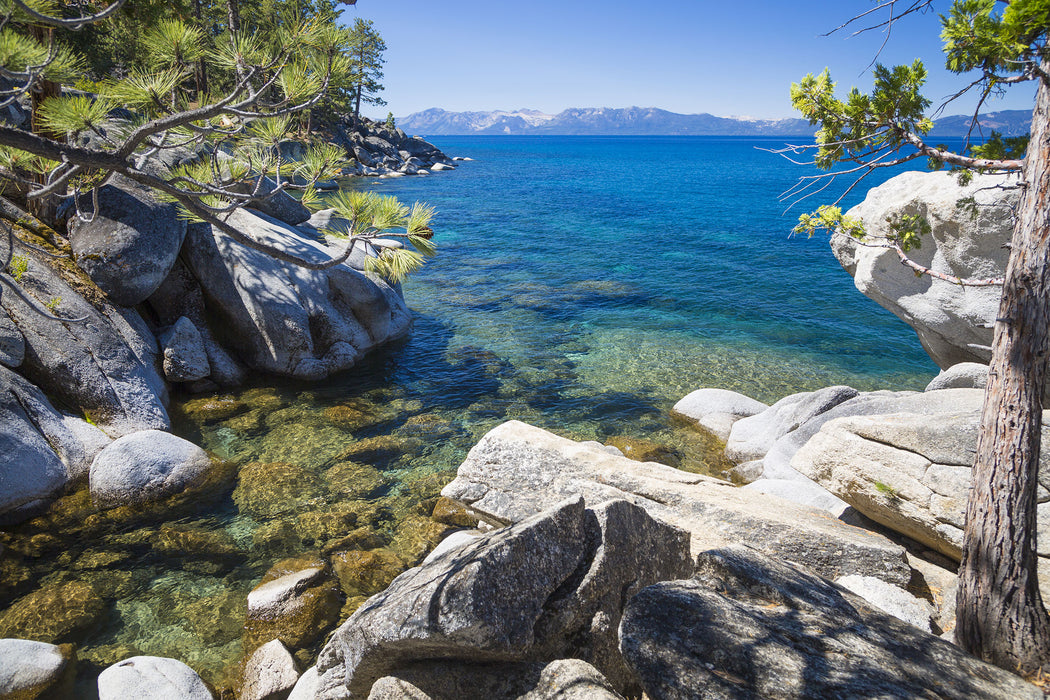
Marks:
<point>725,58</point>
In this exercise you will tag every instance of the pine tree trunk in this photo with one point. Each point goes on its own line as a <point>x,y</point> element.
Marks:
<point>1000,614</point>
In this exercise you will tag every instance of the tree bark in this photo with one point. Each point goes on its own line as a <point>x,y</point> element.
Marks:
<point>1000,614</point>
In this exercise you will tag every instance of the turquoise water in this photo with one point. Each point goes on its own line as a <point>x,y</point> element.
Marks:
<point>584,284</point>
<point>652,265</point>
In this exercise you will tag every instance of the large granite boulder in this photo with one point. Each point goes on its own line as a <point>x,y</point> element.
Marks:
<point>129,246</point>
<point>151,678</point>
<point>910,472</point>
<point>965,375</point>
<point>106,366</point>
<point>747,626</point>
<point>278,204</point>
<point>517,470</point>
<point>41,450</point>
<point>147,466</point>
<point>548,587</point>
<point>286,319</point>
<point>36,670</point>
<point>969,226</point>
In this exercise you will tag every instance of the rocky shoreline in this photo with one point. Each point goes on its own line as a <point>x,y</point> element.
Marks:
<point>564,569</point>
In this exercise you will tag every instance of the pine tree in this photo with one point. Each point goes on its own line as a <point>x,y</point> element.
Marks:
<point>366,50</point>
<point>1000,614</point>
<point>269,77</point>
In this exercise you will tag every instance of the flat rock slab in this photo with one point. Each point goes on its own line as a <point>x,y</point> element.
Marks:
<point>909,472</point>
<point>747,626</point>
<point>518,470</point>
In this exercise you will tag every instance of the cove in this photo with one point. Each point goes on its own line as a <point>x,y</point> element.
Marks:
<point>583,285</point>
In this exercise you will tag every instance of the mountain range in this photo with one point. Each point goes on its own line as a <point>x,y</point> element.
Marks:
<point>649,121</point>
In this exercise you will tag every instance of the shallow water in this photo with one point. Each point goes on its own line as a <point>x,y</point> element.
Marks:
<point>583,285</point>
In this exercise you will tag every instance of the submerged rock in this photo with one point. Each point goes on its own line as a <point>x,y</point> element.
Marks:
<point>296,608</point>
<point>747,626</point>
<point>56,613</point>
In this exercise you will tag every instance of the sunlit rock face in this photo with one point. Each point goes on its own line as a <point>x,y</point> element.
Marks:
<point>969,227</point>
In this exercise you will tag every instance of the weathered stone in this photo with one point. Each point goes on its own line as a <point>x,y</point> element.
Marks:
<point>747,626</point>
<point>306,687</point>
<point>631,551</point>
<point>751,438</point>
<point>715,410</point>
<point>564,679</point>
<point>890,599</point>
<point>286,319</point>
<point>777,462</point>
<point>480,602</point>
<point>297,608</point>
<point>147,466</point>
<point>12,344</point>
<point>36,670</point>
<point>270,673</point>
<point>517,470</point>
<point>954,323</point>
<point>106,367</point>
<point>151,678</point>
<point>965,375</point>
<point>452,513</point>
<point>132,242</point>
<point>185,359</point>
<point>30,470</point>
<point>179,295</point>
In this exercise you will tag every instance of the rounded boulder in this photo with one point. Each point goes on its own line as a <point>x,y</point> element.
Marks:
<point>146,466</point>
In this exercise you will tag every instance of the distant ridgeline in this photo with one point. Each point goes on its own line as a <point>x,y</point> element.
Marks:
<point>648,121</point>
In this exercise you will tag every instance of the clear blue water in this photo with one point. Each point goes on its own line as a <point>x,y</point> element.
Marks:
<point>668,260</point>
<point>583,284</point>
